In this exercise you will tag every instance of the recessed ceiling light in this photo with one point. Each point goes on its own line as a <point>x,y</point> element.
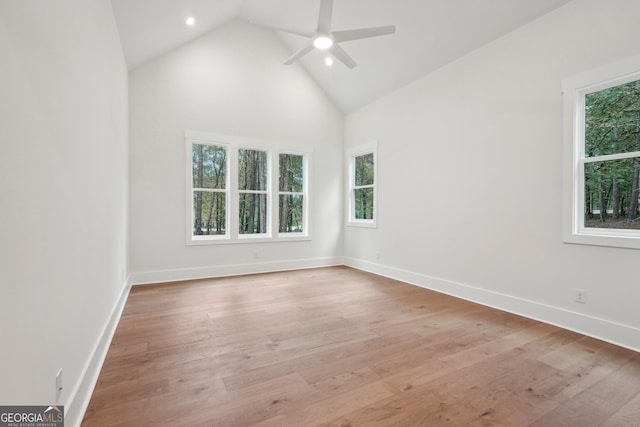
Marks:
<point>190,21</point>
<point>323,42</point>
<point>329,61</point>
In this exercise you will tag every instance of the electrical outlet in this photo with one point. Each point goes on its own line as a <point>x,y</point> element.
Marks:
<point>581,296</point>
<point>58,385</point>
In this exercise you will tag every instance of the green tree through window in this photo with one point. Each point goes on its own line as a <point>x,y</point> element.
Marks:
<point>252,189</point>
<point>240,190</point>
<point>209,183</point>
<point>291,193</point>
<point>363,188</point>
<point>612,183</point>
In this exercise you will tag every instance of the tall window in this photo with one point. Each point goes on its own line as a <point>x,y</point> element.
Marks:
<point>253,191</point>
<point>605,160</point>
<point>362,185</point>
<point>611,160</point>
<point>209,195</point>
<point>291,194</point>
<point>237,194</point>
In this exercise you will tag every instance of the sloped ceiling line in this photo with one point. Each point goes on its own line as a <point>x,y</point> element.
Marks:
<point>430,33</point>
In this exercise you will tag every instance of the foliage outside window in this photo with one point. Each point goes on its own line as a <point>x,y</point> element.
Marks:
<point>237,194</point>
<point>606,159</point>
<point>362,185</point>
<point>209,189</point>
<point>612,154</point>
<point>291,194</point>
<point>363,188</point>
<point>252,190</point>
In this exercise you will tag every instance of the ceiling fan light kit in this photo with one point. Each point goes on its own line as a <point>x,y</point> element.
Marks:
<point>323,42</point>
<point>325,39</point>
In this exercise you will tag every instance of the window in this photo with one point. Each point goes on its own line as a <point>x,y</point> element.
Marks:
<point>209,195</point>
<point>362,185</point>
<point>292,200</point>
<point>253,191</point>
<point>602,156</point>
<point>239,191</point>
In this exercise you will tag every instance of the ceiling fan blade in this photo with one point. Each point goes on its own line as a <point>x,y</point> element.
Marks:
<point>343,56</point>
<point>324,18</point>
<point>284,30</point>
<point>299,54</point>
<point>362,33</point>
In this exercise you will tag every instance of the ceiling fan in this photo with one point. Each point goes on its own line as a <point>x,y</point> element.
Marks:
<point>325,39</point>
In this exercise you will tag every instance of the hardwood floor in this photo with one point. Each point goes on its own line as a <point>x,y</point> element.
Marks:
<point>339,347</point>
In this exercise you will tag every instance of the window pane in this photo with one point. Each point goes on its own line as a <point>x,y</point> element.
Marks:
<point>252,170</point>
<point>209,166</point>
<point>291,173</point>
<point>253,213</point>
<point>611,120</point>
<point>209,210</point>
<point>363,203</point>
<point>611,194</point>
<point>291,212</point>
<point>364,170</point>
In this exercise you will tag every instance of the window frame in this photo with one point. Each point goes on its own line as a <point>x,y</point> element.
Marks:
<point>191,192</point>
<point>361,150</point>
<point>574,90</point>
<point>304,193</point>
<point>268,191</point>
<point>233,144</point>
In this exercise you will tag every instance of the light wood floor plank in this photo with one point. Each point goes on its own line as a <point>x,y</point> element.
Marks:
<point>340,347</point>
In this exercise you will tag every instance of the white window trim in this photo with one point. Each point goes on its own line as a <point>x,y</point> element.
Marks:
<point>235,194</point>
<point>574,89</point>
<point>204,240</point>
<point>352,153</point>
<point>306,164</point>
<point>233,144</point>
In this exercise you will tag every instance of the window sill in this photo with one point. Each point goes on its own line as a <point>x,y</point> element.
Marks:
<point>247,239</point>
<point>605,237</point>
<point>362,224</point>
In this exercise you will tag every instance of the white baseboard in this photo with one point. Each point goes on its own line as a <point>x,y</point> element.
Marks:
<point>80,397</point>
<point>605,330</point>
<point>612,332</point>
<point>176,275</point>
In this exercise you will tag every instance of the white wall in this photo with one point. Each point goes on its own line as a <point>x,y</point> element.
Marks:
<point>63,193</point>
<point>230,81</point>
<point>470,177</point>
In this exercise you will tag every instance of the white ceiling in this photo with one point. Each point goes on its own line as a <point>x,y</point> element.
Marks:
<point>430,33</point>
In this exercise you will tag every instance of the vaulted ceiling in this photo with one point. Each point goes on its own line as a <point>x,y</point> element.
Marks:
<point>430,33</point>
